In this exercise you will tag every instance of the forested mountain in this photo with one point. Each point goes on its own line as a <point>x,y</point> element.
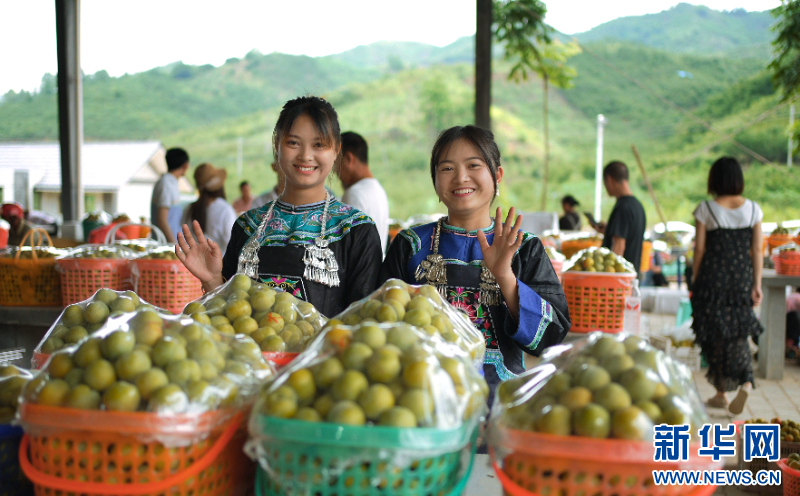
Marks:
<point>400,95</point>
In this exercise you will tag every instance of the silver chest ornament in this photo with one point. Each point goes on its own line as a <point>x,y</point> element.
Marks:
<point>320,262</point>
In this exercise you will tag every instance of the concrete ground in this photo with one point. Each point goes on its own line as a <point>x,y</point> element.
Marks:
<point>768,400</point>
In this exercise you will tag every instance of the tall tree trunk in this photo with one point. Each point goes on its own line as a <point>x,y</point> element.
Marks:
<point>483,64</point>
<point>546,172</point>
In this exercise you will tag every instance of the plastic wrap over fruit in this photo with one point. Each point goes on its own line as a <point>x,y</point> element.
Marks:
<point>83,318</point>
<point>101,252</point>
<point>422,307</point>
<point>276,320</point>
<point>12,380</point>
<point>141,245</point>
<point>28,253</point>
<point>159,252</point>
<point>554,254</point>
<point>391,379</point>
<point>149,362</point>
<point>604,386</point>
<point>596,259</point>
<point>789,250</point>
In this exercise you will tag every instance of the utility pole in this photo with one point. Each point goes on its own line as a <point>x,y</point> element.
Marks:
<point>598,177</point>
<point>483,64</point>
<point>791,134</point>
<point>239,156</point>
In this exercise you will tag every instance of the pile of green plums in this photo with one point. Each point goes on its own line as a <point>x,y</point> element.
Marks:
<point>601,260</point>
<point>81,319</point>
<point>12,380</point>
<point>276,320</point>
<point>389,374</point>
<point>419,306</point>
<point>101,253</point>
<point>147,361</point>
<point>611,389</point>
<point>160,255</point>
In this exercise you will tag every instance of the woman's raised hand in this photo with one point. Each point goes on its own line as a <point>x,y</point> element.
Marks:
<point>507,240</point>
<point>203,257</point>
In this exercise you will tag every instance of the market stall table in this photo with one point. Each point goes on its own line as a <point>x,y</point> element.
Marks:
<point>772,343</point>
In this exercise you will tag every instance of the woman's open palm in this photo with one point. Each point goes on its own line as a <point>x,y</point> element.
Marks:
<point>202,257</point>
<point>507,240</point>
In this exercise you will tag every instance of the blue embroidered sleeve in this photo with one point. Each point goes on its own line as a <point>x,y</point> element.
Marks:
<point>535,314</point>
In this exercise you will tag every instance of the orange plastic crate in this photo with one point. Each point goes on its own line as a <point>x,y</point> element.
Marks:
<point>82,277</point>
<point>790,479</point>
<point>776,240</point>
<point>531,464</point>
<point>107,453</point>
<point>787,263</point>
<point>165,283</point>
<point>596,300</point>
<point>572,246</point>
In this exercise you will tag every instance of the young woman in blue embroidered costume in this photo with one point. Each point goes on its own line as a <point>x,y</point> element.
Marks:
<point>305,242</point>
<point>499,275</point>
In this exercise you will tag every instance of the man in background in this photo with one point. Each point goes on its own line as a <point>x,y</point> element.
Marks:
<point>15,216</point>
<point>624,232</point>
<point>572,219</point>
<point>274,193</point>
<point>361,189</point>
<point>166,193</point>
<point>244,202</point>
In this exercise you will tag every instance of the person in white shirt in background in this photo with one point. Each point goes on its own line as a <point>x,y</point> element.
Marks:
<point>215,215</point>
<point>165,192</point>
<point>272,194</point>
<point>244,202</point>
<point>361,189</point>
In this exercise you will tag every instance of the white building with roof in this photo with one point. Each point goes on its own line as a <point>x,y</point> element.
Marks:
<point>118,177</point>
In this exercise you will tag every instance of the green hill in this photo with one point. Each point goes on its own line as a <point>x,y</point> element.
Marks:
<point>693,29</point>
<point>400,95</point>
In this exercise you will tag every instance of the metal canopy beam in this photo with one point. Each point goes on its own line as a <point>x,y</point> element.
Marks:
<point>70,114</point>
<point>483,64</point>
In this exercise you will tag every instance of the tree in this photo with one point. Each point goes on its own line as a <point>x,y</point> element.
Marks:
<point>786,64</point>
<point>520,26</point>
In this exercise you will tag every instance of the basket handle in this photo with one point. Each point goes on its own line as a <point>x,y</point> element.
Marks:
<point>30,234</point>
<point>162,240</point>
<point>42,479</point>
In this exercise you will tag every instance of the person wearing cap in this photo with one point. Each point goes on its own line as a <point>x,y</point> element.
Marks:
<point>572,219</point>
<point>214,214</point>
<point>15,216</point>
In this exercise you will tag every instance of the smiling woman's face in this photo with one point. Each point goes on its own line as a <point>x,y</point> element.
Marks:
<point>304,159</point>
<point>463,180</point>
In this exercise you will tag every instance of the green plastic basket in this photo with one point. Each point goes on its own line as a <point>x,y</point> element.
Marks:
<point>335,460</point>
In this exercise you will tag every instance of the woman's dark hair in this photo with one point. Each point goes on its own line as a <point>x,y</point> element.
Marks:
<point>321,113</point>
<point>480,138</point>
<point>726,177</point>
<point>197,210</point>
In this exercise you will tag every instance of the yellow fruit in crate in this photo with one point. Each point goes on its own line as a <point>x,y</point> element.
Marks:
<point>83,397</point>
<point>575,398</point>
<point>100,375</point>
<point>419,401</point>
<point>554,419</point>
<point>53,393</point>
<point>73,315</point>
<point>122,304</point>
<point>60,365</point>
<point>167,350</point>
<point>383,366</point>
<point>74,334</point>
<point>376,400</point>
<point>273,344</point>
<point>167,399</point>
<point>591,421</point>
<point>273,320</point>
<point>307,414</point>
<point>262,299</point>
<point>282,402</point>
<point>302,381</point>
<point>88,352</point>
<point>349,386</point>
<point>398,416</point>
<point>149,381</point>
<point>347,412</point>
<point>185,371</point>
<point>117,344</point>
<point>323,404</point>
<point>356,355</point>
<point>96,312</point>
<point>237,308</point>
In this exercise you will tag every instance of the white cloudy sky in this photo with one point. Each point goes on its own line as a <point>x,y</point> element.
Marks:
<point>127,36</point>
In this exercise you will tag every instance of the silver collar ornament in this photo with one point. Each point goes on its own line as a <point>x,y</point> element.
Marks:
<point>321,264</point>
<point>434,271</point>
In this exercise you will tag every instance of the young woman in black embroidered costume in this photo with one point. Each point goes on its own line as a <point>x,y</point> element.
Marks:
<point>499,275</point>
<point>305,242</point>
